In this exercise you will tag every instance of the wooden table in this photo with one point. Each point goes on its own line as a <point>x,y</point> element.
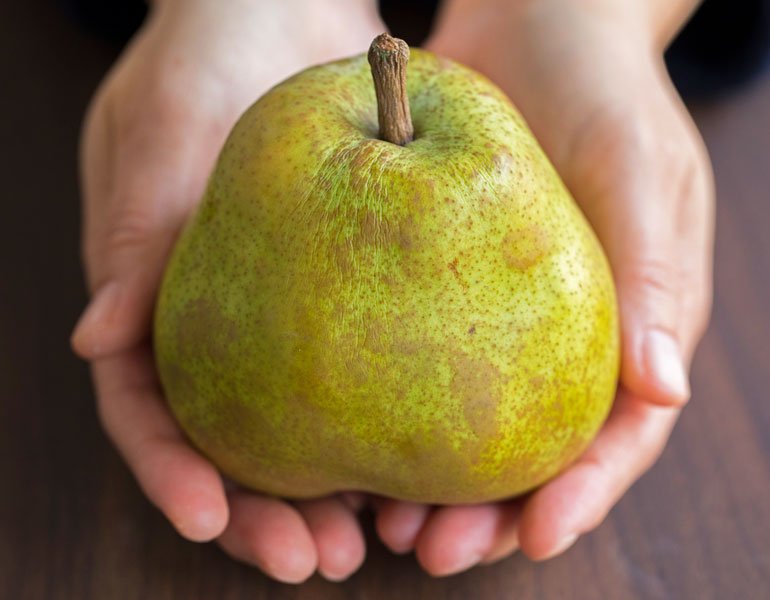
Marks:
<point>73,524</point>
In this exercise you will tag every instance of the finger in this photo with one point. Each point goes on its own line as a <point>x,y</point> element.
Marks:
<point>270,534</point>
<point>648,279</point>
<point>337,534</point>
<point>117,317</point>
<point>130,268</point>
<point>579,499</point>
<point>180,482</point>
<point>456,538</point>
<point>398,524</point>
<point>507,538</point>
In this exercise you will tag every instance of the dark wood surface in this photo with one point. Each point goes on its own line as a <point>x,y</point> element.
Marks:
<point>73,524</point>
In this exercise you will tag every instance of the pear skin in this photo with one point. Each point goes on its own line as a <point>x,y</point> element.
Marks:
<point>434,322</point>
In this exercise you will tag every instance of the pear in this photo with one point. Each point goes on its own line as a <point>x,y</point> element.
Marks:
<point>419,311</point>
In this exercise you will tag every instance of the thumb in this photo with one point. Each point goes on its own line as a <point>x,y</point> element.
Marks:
<point>120,311</point>
<point>129,231</point>
<point>649,290</point>
<point>649,205</point>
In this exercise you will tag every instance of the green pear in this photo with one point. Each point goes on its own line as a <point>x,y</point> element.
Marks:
<point>431,320</point>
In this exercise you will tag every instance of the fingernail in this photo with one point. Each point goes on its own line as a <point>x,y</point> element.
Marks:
<point>501,553</point>
<point>563,544</point>
<point>201,526</point>
<point>210,522</point>
<point>332,577</point>
<point>92,318</point>
<point>465,562</point>
<point>664,361</point>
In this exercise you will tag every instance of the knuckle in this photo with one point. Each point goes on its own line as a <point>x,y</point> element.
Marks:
<point>159,103</point>
<point>132,228</point>
<point>653,276</point>
<point>611,136</point>
<point>620,145</point>
<point>684,171</point>
<point>697,308</point>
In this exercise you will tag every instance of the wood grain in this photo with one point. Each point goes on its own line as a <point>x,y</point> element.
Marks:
<point>74,526</point>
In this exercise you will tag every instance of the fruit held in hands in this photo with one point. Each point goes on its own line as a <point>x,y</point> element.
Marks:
<point>431,319</point>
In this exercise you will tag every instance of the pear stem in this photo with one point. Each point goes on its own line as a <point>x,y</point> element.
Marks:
<point>388,58</point>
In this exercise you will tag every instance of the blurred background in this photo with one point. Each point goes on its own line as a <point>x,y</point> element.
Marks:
<point>74,524</point>
<point>726,43</point>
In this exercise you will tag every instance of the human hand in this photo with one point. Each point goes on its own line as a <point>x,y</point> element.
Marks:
<point>150,139</point>
<point>590,80</point>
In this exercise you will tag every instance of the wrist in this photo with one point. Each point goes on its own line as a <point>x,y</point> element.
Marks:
<point>649,25</point>
<point>654,23</point>
<point>665,18</point>
<point>299,9</point>
<point>325,29</point>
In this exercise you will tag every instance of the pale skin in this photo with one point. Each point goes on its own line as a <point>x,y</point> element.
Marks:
<point>588,77</point>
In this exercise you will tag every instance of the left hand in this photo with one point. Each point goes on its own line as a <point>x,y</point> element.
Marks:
<point>150,139</point>
<point>590,80</point>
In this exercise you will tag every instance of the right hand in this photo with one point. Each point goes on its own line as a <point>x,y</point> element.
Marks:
<point>150,139</point>
<point>589,78</point>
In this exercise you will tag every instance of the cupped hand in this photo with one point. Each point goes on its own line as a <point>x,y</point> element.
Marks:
<point>589,79</point>
<point>150,139</point>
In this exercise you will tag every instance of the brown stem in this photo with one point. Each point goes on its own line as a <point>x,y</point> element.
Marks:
<point>388,57</point>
